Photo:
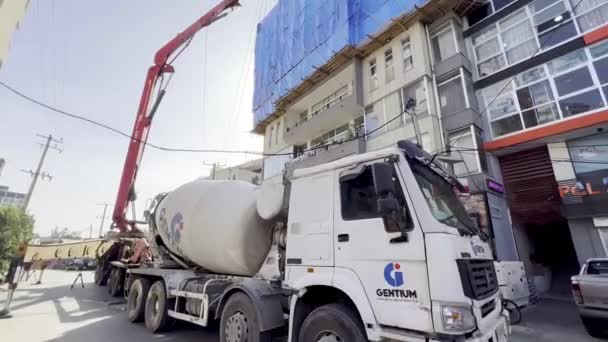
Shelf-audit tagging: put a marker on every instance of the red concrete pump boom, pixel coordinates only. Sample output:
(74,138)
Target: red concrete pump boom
(145,114)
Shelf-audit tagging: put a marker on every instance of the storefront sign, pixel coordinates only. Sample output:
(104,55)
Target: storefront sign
(495,187)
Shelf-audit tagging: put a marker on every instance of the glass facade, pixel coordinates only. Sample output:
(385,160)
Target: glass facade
(570,85)
(539,26)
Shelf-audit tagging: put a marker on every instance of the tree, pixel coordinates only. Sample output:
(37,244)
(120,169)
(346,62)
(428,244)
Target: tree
(15,227)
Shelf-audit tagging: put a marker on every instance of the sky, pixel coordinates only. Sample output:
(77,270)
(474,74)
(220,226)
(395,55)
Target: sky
(90,58)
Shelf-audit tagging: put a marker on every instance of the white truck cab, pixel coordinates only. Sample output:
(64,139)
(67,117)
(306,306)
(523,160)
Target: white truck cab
(372,247)
(387,230)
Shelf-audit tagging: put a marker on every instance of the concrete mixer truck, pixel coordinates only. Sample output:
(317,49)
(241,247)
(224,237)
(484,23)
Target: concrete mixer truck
(375,247)
(371,247)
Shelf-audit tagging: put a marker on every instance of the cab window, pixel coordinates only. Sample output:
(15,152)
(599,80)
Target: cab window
(359,200)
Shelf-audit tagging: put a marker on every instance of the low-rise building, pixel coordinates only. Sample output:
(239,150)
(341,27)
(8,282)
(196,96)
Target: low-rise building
(11,199)
(250,171)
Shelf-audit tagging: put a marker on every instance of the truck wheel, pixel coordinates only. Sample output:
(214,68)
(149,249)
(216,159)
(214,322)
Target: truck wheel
(116,282)
(331,323)
(594,327)
(136,302)
(157,306)
(239,322)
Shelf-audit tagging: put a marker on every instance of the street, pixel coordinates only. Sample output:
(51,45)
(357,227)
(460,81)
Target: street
(54,312)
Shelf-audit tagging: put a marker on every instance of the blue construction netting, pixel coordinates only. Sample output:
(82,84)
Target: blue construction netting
(298,35)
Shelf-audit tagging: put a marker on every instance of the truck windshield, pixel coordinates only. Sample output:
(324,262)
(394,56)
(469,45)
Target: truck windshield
(442,200)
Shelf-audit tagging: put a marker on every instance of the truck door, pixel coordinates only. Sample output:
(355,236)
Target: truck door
(390,266)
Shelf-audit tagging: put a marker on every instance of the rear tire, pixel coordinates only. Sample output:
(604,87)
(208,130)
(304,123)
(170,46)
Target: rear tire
(239,321)
(332,322)
(136,301)
(116,282)
(157,306)
(594,327)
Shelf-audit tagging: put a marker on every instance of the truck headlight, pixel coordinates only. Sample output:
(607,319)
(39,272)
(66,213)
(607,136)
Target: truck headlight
(457,318)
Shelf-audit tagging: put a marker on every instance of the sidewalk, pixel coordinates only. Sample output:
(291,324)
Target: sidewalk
(551,320)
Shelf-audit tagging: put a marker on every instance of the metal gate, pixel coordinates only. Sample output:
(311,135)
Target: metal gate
(531,187)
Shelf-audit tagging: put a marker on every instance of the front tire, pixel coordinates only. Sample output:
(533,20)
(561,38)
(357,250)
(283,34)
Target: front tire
(332,323)
(136,301)
(239,322)
(157,308)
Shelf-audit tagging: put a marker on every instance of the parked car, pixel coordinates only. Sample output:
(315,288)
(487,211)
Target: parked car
(590,291)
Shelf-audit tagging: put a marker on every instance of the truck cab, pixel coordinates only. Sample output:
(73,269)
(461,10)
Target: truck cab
(385,233)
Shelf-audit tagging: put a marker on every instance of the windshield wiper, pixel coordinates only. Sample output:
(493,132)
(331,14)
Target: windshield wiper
(471,230)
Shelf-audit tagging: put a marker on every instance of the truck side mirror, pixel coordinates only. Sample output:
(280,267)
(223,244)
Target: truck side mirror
(396,216)
(383,178)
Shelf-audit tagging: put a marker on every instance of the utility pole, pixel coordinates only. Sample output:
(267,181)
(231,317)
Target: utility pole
(35,175)
(90,231)
(103,217)
(2,163)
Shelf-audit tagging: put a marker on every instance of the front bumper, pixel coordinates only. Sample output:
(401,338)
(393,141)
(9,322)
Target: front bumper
(499,332)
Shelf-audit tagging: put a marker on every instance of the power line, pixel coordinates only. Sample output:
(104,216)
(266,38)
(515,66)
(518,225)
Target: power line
(466,150)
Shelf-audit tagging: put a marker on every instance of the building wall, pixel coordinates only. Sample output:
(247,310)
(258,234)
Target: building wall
(11,13)
(534,65)
(11,199)
(586,239)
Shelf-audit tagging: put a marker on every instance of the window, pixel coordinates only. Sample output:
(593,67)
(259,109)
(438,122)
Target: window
(575,80)
(303,116)
(388,65)
(333,136)
(597,267)
(500,4)
(406,52)
(373,74)
(270,136)
(590,13)
(331,100)
(359,126)
(358,196)
(581,103)
(371,119)
(589,151)
(417,92)
(451,96)
(299,150)
(443,43)
(276,141)
(568,85)
(462,143)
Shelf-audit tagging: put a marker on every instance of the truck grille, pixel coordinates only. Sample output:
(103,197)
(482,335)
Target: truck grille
(478,278)
(487,308)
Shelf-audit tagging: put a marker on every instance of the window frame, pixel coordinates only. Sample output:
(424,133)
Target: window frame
(389,65)
(474,135)
(400,195)
(448,26)
(407,56)
(373,74)
(550,76)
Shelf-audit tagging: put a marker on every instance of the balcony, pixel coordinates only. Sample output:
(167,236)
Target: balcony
(326,155)
(335,113)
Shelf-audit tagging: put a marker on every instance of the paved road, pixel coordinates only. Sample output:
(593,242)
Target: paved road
(53,312)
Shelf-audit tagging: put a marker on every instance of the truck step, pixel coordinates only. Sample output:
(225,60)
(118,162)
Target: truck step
(187,318)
